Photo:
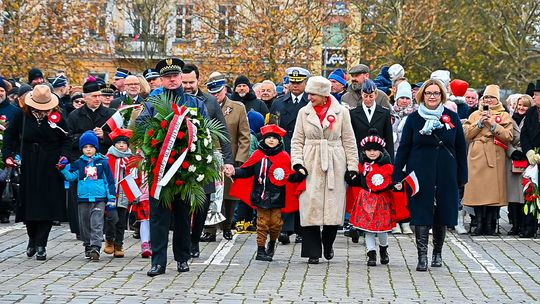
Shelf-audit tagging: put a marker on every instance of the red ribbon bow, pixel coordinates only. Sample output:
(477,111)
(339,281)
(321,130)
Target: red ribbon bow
(447,122)
(54,117)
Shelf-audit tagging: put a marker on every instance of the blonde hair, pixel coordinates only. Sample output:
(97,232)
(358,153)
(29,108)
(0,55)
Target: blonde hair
(145,87)
(527,100)
(427,83)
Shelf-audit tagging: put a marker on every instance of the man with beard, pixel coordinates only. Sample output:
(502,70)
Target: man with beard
(353,97)
(245,94)
(283,113)
(268,92)
(35,77)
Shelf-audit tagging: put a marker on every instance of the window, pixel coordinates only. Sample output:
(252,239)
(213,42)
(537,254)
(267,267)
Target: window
(227,14)
(184,18)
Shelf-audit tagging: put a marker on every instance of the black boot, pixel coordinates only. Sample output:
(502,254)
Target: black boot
(422,237)
(270,248)
(480,215)
(383,252)
(372,258)
(31,249)
(261,255)
(439,233)
(528,227)
(41,253)
(491,220)
(515,216)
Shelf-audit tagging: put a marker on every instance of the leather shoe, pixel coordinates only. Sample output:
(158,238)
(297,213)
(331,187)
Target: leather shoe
(155,270)
(313,261)
(195,253)
(30,251)
(284,238)
(4,220)
(182,266)
(227,234)
(298,239)
(41,253)
(329,254)
(208,237)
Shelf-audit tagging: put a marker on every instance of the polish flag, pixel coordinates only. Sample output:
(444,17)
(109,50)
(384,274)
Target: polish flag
(116,121)
(412,181)
(130,188)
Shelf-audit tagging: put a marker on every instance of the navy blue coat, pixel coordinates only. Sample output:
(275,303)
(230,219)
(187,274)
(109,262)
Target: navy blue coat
(287,111)
(440,169)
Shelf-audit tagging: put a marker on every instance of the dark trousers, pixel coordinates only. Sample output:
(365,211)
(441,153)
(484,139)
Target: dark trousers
(5,205)
(73,209)
(38,232)
(115,225)
(227,209)
(291,223)
(160,220)
(314,240)
(245,213)
(199,217)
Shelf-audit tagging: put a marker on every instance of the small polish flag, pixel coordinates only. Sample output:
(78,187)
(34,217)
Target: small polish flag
(130,188)
(412,181)
(116,121)
(136,37)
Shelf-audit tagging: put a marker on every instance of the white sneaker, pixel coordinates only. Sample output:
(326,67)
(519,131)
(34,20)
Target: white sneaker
(460,228)
(396,230)
(406,228)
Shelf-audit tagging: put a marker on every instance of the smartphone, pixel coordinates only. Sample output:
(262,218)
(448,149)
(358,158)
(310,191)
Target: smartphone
(485,108)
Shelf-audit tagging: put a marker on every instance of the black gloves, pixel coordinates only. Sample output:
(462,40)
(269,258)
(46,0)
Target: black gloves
(299,167)
(296,177)
(352,178)
(518,155)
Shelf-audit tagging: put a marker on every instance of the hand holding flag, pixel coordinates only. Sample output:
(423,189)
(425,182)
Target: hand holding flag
(412,181)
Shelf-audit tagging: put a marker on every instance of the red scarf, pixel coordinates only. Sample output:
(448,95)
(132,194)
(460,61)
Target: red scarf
(322,110)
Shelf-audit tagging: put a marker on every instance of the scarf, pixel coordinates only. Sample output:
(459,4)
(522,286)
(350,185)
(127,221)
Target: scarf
(404,111)
(432,118)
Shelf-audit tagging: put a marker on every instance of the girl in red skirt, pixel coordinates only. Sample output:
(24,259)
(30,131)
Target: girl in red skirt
(372,210)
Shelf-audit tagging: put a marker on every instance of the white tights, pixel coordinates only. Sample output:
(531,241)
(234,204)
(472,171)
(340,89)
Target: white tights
(370,240)
(145,231)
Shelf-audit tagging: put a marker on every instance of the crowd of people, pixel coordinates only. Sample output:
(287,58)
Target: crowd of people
(306,157)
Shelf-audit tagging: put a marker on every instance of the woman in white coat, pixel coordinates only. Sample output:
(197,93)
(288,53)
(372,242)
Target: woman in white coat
(323,149)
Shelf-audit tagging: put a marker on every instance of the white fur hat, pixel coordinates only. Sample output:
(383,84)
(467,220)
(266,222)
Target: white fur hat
(396,71)
(442,75)
(318,85)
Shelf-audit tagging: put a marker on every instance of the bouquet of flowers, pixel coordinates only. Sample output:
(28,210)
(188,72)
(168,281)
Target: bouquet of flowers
(178,151)
(530,191)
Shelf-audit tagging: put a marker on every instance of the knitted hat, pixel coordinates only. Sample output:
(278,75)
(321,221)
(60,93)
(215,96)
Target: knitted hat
(441,75)
(459,87)
(242,80)
(273,130)
(369,86)
(339,76)
(373,141)
(404,90)
(255,120)
(34,73)
(318,85)
(120,134)
(492,90)
(88,138)
(4,84)
(396,71)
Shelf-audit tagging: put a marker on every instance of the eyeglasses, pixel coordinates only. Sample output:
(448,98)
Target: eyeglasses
(434,94)
(132,84)
(80,101)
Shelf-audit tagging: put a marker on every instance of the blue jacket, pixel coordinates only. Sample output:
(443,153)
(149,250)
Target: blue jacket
(95,181)
(383,81)
(8,110)
(189,101)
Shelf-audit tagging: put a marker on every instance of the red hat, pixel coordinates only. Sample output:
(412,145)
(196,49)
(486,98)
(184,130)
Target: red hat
(120,135)
(273,129)
(458,87)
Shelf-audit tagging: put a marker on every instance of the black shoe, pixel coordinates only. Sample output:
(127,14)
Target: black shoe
(439,234)
(136,234)
(313,261)
(355,235)
(383,252)
(270,248)
(195,253)
(4,220)
(87,250)
(298,239)
(436,260)
(372,258)
(208,237)
(94,254)
(30,251)
(422,263)
(56,223)
(41,253)
(182,266)
(227,234)
(514,230)
(329,254)
(261,255)
(284,238)
(155,270)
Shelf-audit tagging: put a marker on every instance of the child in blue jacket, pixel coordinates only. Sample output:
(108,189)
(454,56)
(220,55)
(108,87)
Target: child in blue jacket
(95,189)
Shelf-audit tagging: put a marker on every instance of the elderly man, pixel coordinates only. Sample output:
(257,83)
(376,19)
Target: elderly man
(268,92)
(245,94)
(353,97)
(471,99)
(133,91)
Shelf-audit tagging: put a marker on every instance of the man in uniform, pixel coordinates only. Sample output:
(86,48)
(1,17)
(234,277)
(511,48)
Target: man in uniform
(353,97)
(152,76)
(283,113)
(118,82)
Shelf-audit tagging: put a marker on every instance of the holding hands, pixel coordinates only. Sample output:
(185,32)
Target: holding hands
(228,169)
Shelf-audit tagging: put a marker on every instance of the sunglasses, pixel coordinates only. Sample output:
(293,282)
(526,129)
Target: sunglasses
(80,101)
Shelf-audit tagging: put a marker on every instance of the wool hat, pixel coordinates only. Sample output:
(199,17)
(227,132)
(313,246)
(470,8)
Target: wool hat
(359,69)
(404,90)
(339,76)
(459,87)
(396,71)
(242,80)
(373,141)
(34,73)
(273,130)
(89,138)
(91,85)
(4,84)
(369,86)
(255,120)
(441,75)
(120,134)
(318,85)
(41,98)
(492,90)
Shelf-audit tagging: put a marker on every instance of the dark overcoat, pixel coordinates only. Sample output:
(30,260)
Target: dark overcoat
(285,112)
(42,193)
(381,121)
(440,165)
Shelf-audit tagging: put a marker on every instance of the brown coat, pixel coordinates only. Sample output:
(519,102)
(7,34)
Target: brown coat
(487,161)
(327,153)
(237,123)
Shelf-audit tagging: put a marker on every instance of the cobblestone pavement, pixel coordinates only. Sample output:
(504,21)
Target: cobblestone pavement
(476,269)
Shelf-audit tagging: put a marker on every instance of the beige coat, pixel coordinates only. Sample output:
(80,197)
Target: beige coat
(238,126)
(327,153)
(486,161)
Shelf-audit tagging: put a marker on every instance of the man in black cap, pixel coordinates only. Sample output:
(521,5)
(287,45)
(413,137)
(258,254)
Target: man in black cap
(61,89)
(153,78)
(92,116)
(107,94)
(353,97)
(118,81)
(35,77)
(244,93)
(170,70)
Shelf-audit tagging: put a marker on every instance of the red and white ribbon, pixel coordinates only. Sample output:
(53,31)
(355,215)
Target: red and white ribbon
(447,122)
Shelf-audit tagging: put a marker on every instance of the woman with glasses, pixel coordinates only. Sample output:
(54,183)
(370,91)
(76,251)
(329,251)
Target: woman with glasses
(432,146)
(489,131)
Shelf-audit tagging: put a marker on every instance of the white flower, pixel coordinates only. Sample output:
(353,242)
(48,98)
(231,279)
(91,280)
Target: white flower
(193,147)
(279,174)
(377,179)
(200,177)
(206,142)
(191,168)
(196,122)
(198,157)
(209,159)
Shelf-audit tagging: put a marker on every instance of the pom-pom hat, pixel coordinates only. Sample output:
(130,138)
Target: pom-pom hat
(373,141)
